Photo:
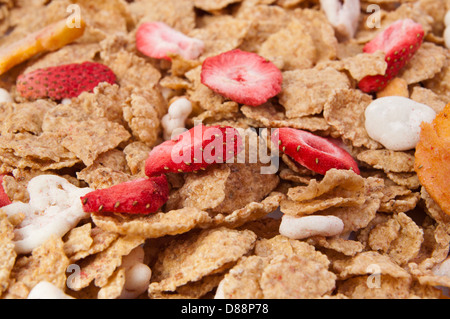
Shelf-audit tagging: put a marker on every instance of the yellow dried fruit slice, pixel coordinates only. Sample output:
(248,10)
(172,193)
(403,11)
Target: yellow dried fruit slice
(432,158)
(50,38)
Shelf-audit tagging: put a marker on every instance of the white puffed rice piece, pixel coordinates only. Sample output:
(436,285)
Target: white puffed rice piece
(344,17)
(173,122)
(307,226)
(137,274)
(394,121)
(46,290)
(5,96)
(54,208)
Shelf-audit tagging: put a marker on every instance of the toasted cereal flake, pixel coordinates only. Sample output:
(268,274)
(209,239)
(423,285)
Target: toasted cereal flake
(100,241)
(72,53)
(7,252)
(193,256)
(407,245)
(435,247)
(78,239)
(388,160)
(361,265)
(265,20)
(43,152)
(107,100)
(341,245)
(101,267)
(206,189)
(338,187)
(221,189)
(114,287)
(359,216)
(156,225)
(250,212)
(320,30)
(426,62)
(366,287)
(296,277)
(46,263)
(440,83)
(293,45)
(142,117)
(220,33)
(433,209)
(265,227)
(281,245)
(108,169)
(136,153)
(192,290)
(177,14)
(243,280)
(344,110)
(427,97)
(360,65)
(130,69)
(213,5)
(396,197)
(109,16)
(409,180)
(24,117)
(90,138)
(305,92)
(267,115)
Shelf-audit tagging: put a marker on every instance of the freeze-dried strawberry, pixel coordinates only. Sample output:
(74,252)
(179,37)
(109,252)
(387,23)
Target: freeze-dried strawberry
(63,81)
(140,196)
(243,77)
(399,42)
(4,199)
(313,152)
(193,150)
(157,39)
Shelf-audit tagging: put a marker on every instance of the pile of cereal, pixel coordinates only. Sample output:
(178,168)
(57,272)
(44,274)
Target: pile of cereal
(257,149)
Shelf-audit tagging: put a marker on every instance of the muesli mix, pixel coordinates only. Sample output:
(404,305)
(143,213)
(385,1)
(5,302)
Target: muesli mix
(250,149)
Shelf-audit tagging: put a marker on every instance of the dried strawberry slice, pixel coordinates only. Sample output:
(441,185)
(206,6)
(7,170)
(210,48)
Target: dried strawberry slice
(193,150)
(400,41)
(140,196)
(4,199)
(241,76)
(314,152)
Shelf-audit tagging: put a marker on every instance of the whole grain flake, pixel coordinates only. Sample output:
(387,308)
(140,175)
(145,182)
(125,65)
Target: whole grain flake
(299,202)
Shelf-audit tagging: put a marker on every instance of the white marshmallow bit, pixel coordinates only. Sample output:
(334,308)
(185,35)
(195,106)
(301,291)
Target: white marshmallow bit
(46,290)
(137,274)
(307,226)
(344,17)
(55,208)
(5,96)
(173,122)
(394,121)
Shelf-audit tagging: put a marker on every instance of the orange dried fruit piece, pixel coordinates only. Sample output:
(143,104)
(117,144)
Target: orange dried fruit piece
(50,38)
(432,158)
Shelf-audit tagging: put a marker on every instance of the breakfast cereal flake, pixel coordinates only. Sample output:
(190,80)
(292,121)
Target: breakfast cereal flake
(305,92)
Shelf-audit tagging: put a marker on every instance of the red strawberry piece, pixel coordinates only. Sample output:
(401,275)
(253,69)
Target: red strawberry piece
(4,199)
(399,42)
(243,77)
(140,196)
(313,152)
(157,40)
(63,81)
(193,150)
